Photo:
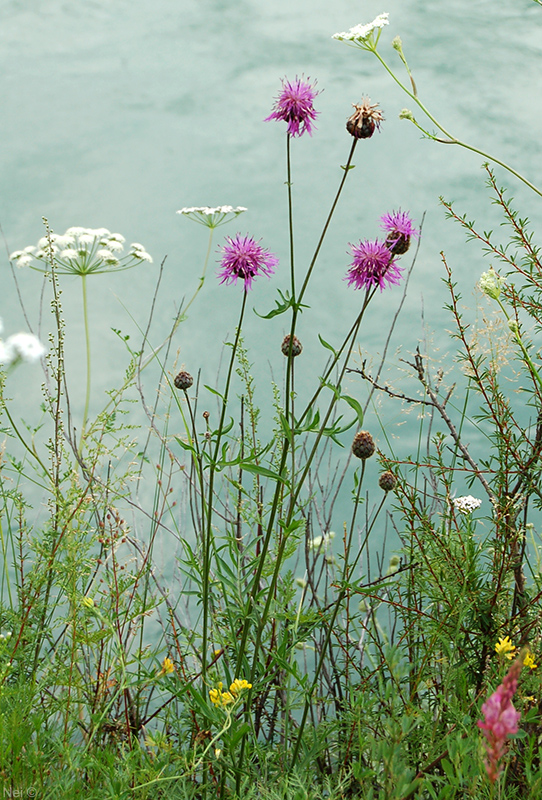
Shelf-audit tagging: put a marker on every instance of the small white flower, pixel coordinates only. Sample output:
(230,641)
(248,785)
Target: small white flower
(86,238)
(137,246)
(75,231)
(361,32)
(23,346)
(142,255)
(113,245)
(70,253)
(24,260)
(491,283)
(107,256)
(321,542)
(467,504)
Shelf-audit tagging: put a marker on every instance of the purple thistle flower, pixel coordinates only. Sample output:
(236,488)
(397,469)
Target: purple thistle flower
(400,229)
(294,106)
(373,265)
(500,720)
(242,257)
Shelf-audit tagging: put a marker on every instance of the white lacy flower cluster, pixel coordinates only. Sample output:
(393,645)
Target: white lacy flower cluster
(359,33)
(491,283)
(467,504)
(82,251)
(211,217)
(20,347)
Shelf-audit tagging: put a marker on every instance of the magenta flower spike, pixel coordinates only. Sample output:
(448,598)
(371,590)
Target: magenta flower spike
(400,229)
(500,720)
(294,106)
(244,258)
(373,265)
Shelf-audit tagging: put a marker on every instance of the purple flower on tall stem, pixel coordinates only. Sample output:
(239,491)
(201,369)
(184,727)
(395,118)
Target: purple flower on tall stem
(294,106)
(373,265)
(242,257)
(500,720)
(400,230)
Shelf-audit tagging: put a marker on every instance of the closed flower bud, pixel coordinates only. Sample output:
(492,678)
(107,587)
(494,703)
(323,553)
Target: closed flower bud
(364,120)
(387,481)
(363,445)
(297,347)
(183,380)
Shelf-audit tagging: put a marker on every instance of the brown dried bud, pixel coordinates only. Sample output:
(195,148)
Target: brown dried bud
(363,445)
(297,347)
(364,120)
(387,481)
(183,380)
(206,415)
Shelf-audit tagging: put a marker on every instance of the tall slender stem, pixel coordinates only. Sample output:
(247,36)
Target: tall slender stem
(89,366)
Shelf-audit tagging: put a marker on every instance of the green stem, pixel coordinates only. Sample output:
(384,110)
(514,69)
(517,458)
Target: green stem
(89,367)
(451,139)
(208,532)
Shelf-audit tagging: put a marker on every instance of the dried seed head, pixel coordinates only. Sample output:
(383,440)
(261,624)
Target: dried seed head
(183,380)
(297,347)
(363,445)
(387,481)
(206,415)
(364,120)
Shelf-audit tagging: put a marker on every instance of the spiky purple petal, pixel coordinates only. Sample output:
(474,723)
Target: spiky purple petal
(294,106)
(372,265)
(244,258)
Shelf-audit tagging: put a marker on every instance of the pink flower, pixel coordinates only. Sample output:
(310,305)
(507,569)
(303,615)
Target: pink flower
(294,106)
(400,229)
(242,257)
(500,720)
(373,265)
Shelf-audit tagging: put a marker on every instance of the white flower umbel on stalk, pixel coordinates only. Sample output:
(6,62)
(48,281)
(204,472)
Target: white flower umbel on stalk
(491,283)
(467,504)
(211,217)
(81,251)
(20,347)
(364,35)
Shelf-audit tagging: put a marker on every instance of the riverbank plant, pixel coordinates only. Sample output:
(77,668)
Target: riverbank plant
(338,616)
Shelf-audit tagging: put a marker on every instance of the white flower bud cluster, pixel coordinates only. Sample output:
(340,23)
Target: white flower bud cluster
(359,33)
(81,251)
(322,542)
(467,504)
(491,283)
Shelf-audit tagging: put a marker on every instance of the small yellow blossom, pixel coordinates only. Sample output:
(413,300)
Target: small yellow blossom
(88,602)
(167,667)
(220,698)
(528,661)
(504,647)
(238,685)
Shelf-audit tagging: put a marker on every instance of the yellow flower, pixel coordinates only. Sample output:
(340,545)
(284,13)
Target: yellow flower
(528,661)
(504,647)
(238,685)
(167,667)
(88,602)
(220,698)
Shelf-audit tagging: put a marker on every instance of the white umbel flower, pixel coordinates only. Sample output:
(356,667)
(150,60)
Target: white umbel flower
(361,32)
(211,217)
(21,347)
(467,504)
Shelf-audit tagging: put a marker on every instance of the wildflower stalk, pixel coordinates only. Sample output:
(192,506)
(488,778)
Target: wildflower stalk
(207,528)
(89,367)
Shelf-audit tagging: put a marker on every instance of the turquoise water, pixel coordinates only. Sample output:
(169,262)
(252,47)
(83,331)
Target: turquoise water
(117,114)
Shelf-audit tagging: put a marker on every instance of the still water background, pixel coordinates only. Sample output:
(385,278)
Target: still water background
(116,114)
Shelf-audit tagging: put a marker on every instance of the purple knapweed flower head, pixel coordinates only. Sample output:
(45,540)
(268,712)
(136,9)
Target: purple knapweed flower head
(294,106)
(400,230)
(244,258)
(500,720)
(373,265)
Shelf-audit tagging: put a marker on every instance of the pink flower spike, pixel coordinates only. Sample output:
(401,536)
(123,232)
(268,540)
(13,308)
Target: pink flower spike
(500,720)
(373,265)
(242,257)
(294,106)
